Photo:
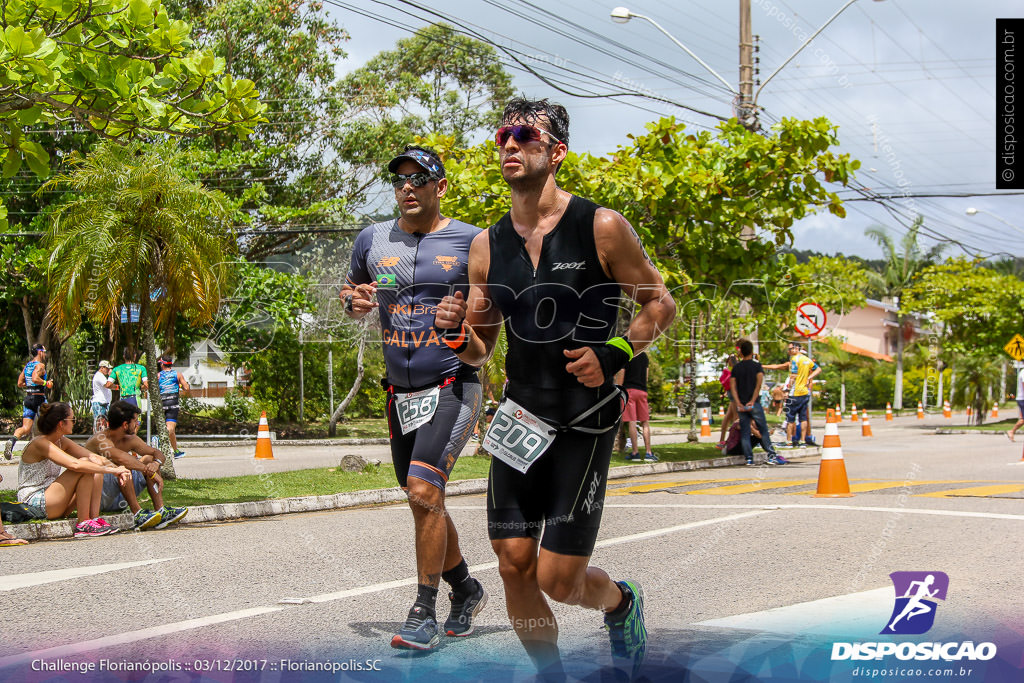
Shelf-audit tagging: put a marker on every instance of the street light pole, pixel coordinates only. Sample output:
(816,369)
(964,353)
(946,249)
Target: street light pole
(971,211)
(746,105)
(621,15)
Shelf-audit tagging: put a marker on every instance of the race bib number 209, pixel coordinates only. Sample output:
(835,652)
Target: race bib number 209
(517,437)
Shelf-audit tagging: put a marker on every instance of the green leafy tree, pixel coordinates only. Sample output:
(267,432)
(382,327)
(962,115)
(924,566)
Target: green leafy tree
(902,264)
(286,175)
(136,232)
(436,81)
(110,68)
(979,309)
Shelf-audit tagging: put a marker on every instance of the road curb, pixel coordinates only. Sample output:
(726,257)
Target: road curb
(953,430)
(246,441)
(221,512)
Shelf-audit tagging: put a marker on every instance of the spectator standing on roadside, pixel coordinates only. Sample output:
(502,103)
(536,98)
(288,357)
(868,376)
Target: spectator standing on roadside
(129,377)
(634,380)
(101,396)
(745,389)
(1020,402)
(730,411)
(802,371)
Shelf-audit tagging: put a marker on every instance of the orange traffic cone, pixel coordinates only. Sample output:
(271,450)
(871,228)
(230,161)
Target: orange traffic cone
(865,424)
(947,410)
(920,411)
(721,413)
(263,450)
(853,414)
(839,413)
(705,423)
(832,481)
(888,412)
(995,411)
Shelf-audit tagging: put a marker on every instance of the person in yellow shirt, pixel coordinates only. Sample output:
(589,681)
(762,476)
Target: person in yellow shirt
(802,371)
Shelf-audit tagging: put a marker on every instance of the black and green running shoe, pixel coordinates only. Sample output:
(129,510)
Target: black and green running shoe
(170,515)
(628,632)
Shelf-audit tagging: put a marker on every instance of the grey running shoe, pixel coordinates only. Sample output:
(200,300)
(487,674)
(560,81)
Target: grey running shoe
(9,448)
(418,633)
(460,621)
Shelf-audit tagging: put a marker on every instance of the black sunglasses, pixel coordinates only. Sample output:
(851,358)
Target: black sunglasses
(417,179)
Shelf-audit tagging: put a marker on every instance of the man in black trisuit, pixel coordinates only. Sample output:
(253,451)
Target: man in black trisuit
(552,269)
(433,398)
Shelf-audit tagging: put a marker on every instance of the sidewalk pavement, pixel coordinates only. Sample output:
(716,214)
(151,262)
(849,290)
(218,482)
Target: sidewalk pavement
(64,528)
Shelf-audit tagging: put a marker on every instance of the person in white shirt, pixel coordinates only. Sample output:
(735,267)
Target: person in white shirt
(1020,402)
(101,396)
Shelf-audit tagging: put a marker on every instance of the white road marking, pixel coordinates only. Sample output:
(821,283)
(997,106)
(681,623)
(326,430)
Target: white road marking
(823,506)
(133,636)
(680,527)
(177,627)
(855,614)
(17,581)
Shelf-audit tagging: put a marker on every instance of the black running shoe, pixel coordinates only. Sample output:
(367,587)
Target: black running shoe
(460,621)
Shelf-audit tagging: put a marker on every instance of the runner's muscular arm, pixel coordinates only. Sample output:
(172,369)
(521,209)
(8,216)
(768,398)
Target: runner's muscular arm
(482,317)
(626,261)
(38,374)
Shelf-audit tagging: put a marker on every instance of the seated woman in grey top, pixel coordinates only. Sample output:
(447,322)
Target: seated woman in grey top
(51,492)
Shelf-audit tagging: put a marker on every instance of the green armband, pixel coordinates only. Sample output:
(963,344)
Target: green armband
(622,344)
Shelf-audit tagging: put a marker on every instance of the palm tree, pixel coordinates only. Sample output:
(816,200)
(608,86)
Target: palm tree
(902,264)
(135,231)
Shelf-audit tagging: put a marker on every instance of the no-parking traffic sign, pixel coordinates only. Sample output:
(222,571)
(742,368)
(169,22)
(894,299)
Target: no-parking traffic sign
(810,319)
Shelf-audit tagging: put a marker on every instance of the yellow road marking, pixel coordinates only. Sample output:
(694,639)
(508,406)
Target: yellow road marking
(975,491)
(658,486)
(879,485)
(748,488)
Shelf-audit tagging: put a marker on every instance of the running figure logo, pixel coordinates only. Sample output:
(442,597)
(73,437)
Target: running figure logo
(914,612)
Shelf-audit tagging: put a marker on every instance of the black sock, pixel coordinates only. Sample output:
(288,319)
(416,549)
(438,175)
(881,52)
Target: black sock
(459,579)
(623,606)
(426,597)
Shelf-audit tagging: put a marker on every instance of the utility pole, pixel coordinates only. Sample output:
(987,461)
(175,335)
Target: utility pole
(746,112)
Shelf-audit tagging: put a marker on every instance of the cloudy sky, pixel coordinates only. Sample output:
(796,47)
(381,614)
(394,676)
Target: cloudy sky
(910,83)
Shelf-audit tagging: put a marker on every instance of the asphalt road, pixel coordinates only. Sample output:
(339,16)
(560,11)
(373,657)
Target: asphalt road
(743,569)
